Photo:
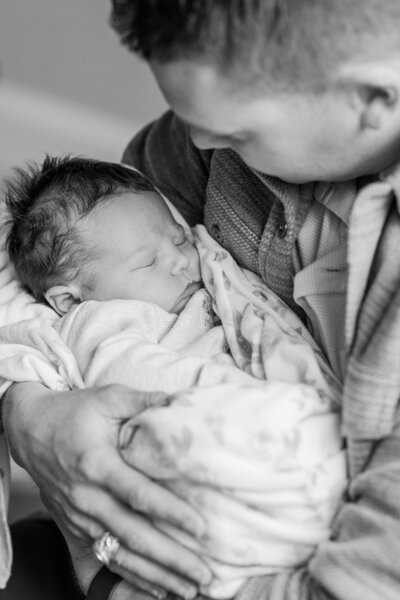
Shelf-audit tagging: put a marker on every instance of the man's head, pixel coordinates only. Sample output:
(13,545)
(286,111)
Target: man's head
(301,90)
(81,229)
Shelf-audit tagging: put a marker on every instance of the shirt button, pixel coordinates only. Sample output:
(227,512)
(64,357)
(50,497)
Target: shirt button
(216,231)
(282,230)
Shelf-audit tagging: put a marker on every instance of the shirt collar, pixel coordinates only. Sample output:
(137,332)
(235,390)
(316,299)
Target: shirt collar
(337,197)
(392,176)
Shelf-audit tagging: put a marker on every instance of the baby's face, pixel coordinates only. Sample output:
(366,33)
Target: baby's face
(142,253)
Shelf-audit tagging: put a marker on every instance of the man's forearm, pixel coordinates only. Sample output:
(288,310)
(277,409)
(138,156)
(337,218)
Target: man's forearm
(22,405)
(1,413)
(5,387)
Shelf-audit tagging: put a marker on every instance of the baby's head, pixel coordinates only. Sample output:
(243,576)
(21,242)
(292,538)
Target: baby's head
(83,229)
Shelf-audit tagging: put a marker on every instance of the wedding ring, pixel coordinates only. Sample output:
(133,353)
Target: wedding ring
(105,548)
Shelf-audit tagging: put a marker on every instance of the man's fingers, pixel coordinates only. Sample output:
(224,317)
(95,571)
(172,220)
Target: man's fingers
(143,539)
(126,403)
(140,536)
(127,591)
(137,585)
(135,568)
(79,524)
(143,495)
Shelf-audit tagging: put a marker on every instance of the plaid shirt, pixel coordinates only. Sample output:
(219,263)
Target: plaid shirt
(259,221)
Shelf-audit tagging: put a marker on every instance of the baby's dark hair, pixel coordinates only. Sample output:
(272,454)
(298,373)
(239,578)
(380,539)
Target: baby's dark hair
(45,203)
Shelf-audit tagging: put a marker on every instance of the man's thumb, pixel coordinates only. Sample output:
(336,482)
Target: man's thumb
(127,402)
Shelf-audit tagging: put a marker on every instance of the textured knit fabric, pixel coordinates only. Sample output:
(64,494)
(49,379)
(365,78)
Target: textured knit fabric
(143,346)
(361,559)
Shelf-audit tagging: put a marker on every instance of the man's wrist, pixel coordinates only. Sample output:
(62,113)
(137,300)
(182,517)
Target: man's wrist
(1,414)
(19,407)
(2,407)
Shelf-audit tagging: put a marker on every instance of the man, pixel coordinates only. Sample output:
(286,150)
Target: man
(299,92)
(302,92)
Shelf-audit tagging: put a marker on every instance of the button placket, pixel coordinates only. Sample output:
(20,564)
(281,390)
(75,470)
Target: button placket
(282,229)
(216,231)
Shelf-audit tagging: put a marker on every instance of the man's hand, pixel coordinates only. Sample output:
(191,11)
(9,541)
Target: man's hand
(86,567)
(68,442)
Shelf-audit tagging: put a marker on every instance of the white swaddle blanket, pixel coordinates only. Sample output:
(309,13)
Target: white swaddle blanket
(254,444)
(262,462)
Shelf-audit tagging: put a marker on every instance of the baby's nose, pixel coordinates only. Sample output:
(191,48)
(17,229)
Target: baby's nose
(180,261)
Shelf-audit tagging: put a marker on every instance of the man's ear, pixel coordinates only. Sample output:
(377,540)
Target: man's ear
(63,297)
(374,91)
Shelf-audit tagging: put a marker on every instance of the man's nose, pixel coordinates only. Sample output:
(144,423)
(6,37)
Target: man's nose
(179,261)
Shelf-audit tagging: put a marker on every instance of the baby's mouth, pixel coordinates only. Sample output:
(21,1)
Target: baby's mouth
(192,288)
(189,291)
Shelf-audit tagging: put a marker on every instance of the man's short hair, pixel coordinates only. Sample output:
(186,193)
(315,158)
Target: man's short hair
(285,44)
(45,203)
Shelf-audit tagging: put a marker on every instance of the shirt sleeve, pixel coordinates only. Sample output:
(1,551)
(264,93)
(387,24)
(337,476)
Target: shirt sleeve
(164,152)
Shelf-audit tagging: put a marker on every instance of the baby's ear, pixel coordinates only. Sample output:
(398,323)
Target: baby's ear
(63,297)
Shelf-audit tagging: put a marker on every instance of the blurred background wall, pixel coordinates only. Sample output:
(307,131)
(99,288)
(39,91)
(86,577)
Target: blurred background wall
(66,85)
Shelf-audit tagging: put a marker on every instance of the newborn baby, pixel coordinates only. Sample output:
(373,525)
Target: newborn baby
(250,436)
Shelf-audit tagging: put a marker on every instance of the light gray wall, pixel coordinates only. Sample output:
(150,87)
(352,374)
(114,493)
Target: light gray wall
(67,48)
(59,51)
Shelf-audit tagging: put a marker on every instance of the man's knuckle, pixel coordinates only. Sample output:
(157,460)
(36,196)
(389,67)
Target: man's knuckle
(74,520)
(78,499)
(138,498)
(89,464)
(111,389)
(74,499)
(93,530)
(125,561)
(136,543)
